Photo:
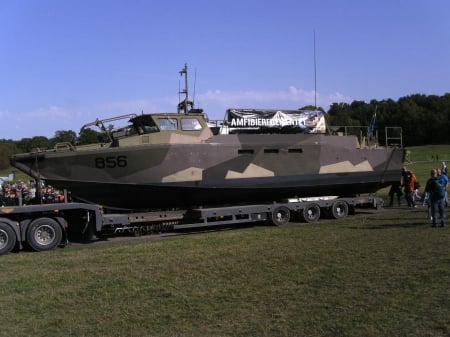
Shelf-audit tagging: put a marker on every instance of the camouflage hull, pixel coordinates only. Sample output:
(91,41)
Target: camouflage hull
(224,169)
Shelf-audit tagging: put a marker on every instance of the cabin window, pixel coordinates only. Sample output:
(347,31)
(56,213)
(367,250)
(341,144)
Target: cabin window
(295,150)
(190,124)
(147,129)
(271,151)
(246,151)
(168,124)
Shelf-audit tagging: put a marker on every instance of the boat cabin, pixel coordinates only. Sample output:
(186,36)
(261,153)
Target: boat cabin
(159,128)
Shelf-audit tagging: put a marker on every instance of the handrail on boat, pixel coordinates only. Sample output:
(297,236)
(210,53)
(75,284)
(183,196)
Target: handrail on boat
(63,146)
(100,122)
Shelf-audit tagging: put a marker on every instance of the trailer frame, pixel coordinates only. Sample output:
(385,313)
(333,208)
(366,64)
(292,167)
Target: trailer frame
(47,226)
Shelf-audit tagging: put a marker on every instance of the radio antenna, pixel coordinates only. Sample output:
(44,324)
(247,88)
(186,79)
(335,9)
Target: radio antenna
(315,73)
(183,105)
(179,94)
(195,83)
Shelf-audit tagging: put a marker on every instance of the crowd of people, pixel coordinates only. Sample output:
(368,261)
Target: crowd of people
(434,195)
(22,193)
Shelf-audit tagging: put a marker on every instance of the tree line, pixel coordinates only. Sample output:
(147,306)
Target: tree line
(9,147)
(424,119)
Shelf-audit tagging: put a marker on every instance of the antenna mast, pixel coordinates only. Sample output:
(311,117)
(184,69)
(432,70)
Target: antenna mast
(184,104)
(195,83)
(315,72)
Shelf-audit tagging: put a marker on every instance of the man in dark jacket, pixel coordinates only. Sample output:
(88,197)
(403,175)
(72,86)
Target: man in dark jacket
(436,194)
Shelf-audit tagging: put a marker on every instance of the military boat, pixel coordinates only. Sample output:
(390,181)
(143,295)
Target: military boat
(181,160)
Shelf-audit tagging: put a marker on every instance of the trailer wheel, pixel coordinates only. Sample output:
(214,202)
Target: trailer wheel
(311,213)
(281,216)
(44,234)
(339,209)
(7,238)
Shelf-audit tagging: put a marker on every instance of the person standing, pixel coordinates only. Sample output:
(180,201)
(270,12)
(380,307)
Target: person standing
(444,182)
(409,184)
(436,194)
(396,189)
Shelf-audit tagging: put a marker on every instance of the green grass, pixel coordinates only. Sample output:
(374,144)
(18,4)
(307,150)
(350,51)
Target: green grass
(385,274)
(18,174)
(423,159)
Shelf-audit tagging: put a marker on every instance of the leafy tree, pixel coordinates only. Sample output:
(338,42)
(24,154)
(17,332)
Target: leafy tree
(89,136)
(312,108)
(341,114)
(7,149)
(31,144)
(63,136)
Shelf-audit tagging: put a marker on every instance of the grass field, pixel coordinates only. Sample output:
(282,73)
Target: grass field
(381,274)
(423,158)
(384,273)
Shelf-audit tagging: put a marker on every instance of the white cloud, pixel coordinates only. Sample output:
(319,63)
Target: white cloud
(291,95)
(122,107)
(50,112)
(337,97)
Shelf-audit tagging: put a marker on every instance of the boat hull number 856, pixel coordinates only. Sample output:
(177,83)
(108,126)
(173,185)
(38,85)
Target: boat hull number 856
(111,162)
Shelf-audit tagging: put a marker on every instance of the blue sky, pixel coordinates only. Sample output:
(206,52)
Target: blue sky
(64,63)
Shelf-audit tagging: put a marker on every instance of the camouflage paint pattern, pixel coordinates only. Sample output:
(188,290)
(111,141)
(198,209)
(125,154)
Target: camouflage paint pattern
(188,168)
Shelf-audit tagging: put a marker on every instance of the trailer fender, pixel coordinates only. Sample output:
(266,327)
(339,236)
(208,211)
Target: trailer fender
(9,236)
(64,225)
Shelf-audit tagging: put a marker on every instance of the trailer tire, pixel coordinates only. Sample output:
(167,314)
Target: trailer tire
(339,209)
(7,238)
(280,216)
(44,234)
(311,213)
